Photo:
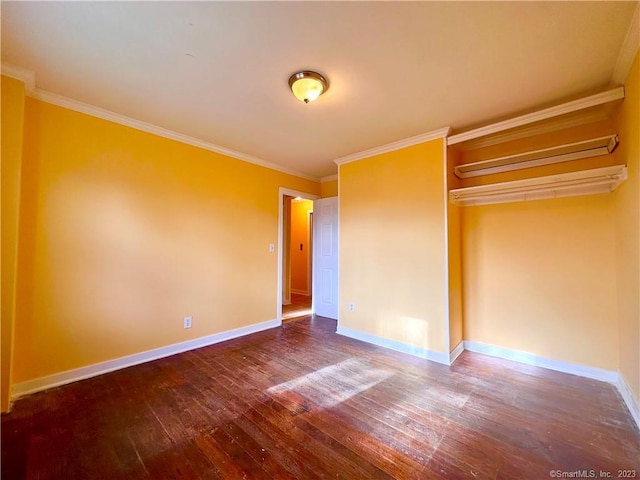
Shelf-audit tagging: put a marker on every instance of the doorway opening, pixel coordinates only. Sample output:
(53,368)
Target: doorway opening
(295,254)
(298,258)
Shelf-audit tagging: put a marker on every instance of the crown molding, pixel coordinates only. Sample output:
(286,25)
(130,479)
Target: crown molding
(628,51)
(390,147)
(26,76)
(29,79)
(329,178)
(108,115)
(545,114)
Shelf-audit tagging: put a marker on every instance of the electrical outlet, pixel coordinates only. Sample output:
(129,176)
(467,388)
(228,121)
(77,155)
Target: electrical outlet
(352,307)
(187,322)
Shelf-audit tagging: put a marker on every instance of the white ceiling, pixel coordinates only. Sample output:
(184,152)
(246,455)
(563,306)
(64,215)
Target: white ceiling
(218,71)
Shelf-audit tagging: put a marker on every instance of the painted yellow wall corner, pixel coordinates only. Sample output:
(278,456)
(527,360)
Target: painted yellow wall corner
(392,246)
(13,97)
(329,189)
(627,225)
(454,256)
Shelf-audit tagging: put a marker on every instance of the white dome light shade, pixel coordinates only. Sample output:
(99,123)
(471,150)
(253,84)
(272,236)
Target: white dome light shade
(308,86)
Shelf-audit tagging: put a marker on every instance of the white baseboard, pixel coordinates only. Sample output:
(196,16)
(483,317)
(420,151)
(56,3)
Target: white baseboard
(629,399)
(69,376)
(395,345)
(532,359)
(455,353)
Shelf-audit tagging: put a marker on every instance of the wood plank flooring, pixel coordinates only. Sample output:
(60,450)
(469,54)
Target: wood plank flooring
(300,402)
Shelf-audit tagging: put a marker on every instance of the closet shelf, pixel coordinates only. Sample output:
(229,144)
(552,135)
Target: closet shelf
(585,182)
(547,156)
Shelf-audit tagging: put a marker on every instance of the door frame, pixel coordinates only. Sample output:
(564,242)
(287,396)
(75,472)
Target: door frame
(310,243)
(285,192)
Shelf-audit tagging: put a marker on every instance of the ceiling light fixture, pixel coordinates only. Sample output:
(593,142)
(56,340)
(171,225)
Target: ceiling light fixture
(307,85)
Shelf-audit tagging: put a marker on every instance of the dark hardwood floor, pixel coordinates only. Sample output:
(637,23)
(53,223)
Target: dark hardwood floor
(300,402)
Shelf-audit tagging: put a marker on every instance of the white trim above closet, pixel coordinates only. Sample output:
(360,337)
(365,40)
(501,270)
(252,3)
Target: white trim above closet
(545,114)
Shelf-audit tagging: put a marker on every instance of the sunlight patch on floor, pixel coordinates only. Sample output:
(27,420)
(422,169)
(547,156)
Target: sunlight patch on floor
(334,384)
(297,313)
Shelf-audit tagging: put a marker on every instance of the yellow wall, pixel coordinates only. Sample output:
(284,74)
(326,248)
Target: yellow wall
(300,259)
(539,277)
(329,189)
(124,233)
(392,246)
(454,257)
(627,219)
(12,93)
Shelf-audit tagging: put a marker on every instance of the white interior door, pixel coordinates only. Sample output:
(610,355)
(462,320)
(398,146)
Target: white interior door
(325,257)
